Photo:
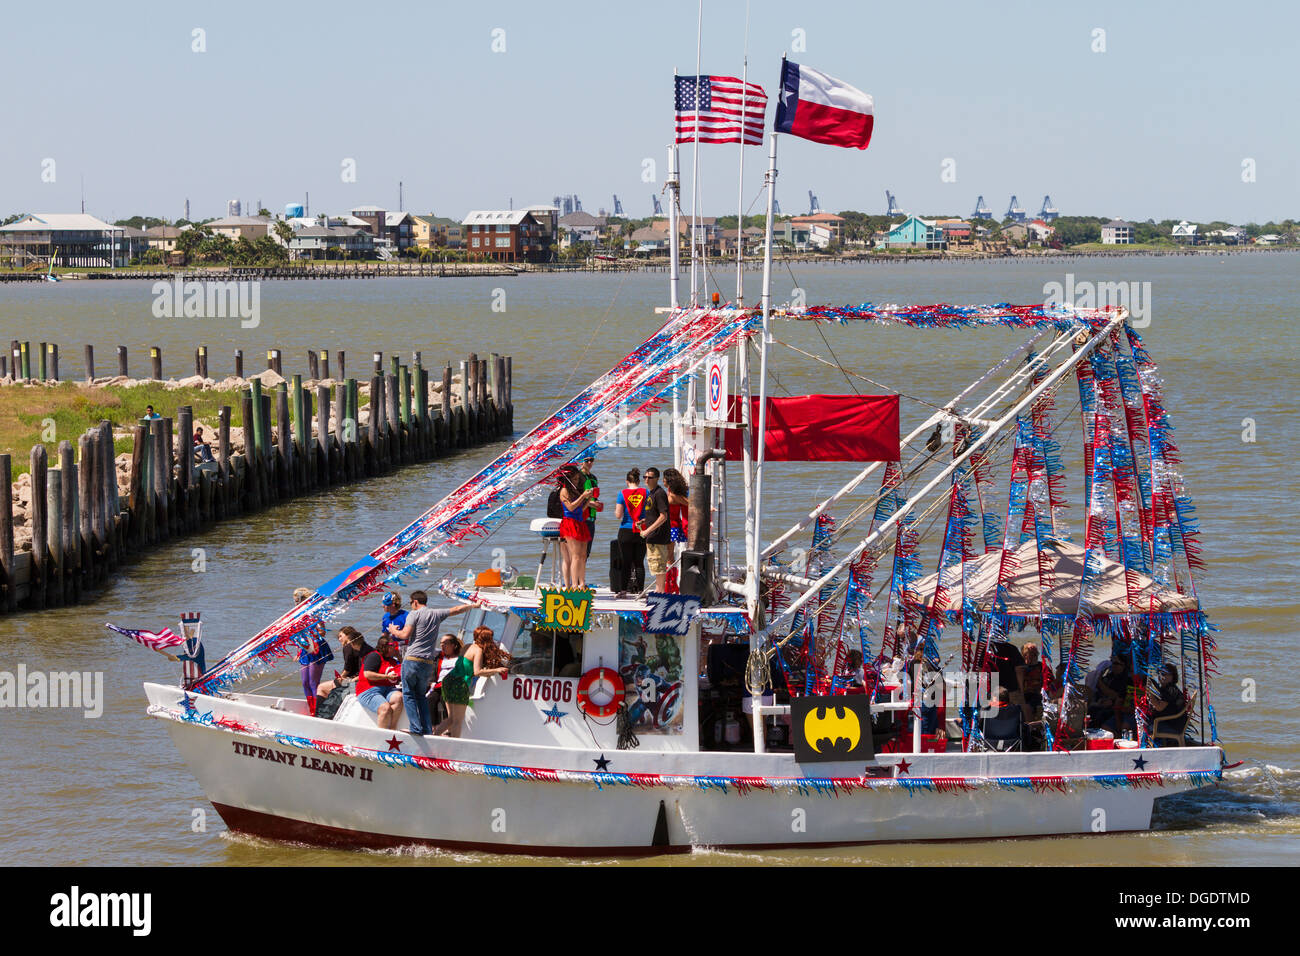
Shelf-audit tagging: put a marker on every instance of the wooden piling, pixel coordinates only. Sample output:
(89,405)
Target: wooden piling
(38,517)
(121,360)
(70,556)
(376,418)
(392,422)
(155,361)
(303,473)
(41,371)
(202,369)
(7,570)
(284,452)
(324,363)
(445,408)
(343,369)
(355,462)
(112,520)
(250,420)
(90,364)
(185,437)
(136,490)
(54,361)
(313,365)
(161,474)
(223,498)
(320,455)
(273,360)
(86,507)
(54,537)
(239,363)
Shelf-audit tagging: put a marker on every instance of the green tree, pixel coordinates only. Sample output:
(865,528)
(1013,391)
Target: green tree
(190,241)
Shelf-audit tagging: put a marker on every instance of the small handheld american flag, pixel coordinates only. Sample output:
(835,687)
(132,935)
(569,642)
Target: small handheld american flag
(156,640)
(728,109)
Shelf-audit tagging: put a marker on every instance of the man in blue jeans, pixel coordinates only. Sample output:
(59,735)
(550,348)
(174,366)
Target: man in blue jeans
(420,662)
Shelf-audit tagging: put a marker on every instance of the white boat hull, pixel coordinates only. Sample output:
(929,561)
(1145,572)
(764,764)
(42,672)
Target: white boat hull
(269,773)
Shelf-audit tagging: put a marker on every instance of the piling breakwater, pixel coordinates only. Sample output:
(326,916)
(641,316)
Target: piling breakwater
(82,513)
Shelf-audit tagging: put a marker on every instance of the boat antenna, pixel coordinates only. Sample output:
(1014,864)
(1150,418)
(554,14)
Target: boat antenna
(695,158)
(740,179)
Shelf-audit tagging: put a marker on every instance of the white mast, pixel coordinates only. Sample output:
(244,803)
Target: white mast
(695,162)
(674,200)
(740,180)
(752,558)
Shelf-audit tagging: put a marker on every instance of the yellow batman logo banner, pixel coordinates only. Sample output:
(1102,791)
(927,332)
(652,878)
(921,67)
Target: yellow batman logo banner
(832,728)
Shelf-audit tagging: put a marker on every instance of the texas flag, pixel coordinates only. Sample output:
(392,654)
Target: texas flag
(821,108)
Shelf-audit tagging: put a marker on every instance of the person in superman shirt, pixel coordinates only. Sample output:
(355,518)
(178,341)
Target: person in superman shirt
(629,511)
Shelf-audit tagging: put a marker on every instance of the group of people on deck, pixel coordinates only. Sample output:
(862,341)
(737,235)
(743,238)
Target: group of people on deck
(411,668)
(1026,683)
(651,521)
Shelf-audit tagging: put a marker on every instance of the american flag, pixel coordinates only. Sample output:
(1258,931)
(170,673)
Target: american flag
(728,108)
(154,639)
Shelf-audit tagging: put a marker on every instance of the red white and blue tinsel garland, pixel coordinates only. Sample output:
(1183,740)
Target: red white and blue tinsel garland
(808,786)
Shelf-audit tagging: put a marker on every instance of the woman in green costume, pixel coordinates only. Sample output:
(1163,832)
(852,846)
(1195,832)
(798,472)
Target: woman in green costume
(456,673)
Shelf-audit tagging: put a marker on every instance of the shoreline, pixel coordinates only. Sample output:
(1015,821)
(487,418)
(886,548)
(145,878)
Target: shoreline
(394,270)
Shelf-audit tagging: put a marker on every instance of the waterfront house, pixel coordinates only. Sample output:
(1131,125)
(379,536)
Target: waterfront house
(652,239)
(752,238)
(1040,232)
(791,234)
(1233,236)
(1185,232)
(251,228)
(1268,239)
(915,233)
(163,238)
(548,218)
(581,227)
(329,242)
(71,239)
(135,241)
(954,230)
(506,235)
(1117,232)
(399,229)
(823,228)
(437,232)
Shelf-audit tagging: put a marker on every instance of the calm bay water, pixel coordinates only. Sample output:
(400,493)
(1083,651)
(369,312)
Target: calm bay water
(112,790)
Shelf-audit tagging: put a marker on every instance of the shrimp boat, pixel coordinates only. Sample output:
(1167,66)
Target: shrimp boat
(720,715)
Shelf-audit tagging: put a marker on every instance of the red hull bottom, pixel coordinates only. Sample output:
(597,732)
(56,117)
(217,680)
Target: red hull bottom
(271,827)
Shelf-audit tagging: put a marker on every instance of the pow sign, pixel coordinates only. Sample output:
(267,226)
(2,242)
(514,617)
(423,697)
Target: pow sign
(716,389)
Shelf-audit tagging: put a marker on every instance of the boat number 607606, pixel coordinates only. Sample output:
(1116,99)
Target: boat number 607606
(528,688)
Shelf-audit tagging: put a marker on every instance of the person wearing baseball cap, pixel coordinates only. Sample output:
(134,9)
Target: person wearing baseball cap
(394,613)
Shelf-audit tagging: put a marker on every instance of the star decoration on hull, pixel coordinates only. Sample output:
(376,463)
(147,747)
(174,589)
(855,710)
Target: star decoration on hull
(602,764)
(903,767)
(554,714)
(394,744)
(1139,763)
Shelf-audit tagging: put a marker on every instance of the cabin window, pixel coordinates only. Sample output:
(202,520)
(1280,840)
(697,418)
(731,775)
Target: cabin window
(545,653)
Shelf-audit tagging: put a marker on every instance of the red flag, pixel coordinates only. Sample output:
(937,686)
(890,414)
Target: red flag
(824,428)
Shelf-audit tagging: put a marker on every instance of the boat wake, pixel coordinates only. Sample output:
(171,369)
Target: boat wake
(1248,796)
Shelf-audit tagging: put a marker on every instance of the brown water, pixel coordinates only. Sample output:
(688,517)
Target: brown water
(112,790)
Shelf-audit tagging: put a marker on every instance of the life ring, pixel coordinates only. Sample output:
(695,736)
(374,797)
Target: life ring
(600,691)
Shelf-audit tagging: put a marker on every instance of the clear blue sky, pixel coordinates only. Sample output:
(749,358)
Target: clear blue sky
(1157,126)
